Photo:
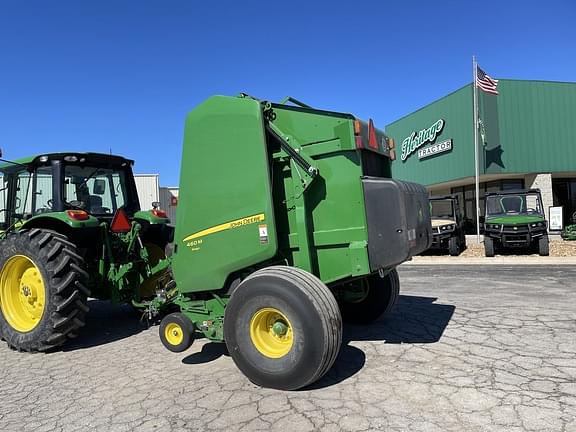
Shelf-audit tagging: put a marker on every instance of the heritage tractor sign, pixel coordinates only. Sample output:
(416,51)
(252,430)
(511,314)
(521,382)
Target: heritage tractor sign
(418,139)
(434,149)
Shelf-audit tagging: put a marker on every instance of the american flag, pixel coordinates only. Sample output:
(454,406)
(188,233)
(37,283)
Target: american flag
(485,83)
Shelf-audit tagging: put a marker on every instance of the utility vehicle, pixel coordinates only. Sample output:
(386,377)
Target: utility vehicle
(515,219)
(447,224)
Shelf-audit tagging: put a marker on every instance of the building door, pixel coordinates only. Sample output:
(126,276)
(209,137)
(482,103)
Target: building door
(564,194)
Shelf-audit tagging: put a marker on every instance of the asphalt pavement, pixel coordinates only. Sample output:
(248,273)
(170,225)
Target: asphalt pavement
(467,348)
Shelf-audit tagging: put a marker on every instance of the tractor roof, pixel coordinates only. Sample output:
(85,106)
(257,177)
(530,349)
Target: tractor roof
(73,157)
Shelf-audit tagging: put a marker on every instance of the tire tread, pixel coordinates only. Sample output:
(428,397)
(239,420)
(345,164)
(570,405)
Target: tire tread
(64,281)
(324,302)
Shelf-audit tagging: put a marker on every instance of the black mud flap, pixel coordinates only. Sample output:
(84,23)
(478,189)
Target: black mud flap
(398,217)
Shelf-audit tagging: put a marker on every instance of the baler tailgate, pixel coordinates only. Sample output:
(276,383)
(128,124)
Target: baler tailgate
(398,219)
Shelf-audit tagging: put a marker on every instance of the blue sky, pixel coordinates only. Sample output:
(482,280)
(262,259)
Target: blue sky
(121,75)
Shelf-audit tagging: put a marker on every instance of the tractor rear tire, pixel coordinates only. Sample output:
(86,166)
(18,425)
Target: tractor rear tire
(543,246)
(43,296)
(381,296)
(488,247)
(283,328)
(454,246)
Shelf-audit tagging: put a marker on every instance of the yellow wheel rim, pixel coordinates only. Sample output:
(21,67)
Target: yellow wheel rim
(271,333)
(174,334)
(22,293)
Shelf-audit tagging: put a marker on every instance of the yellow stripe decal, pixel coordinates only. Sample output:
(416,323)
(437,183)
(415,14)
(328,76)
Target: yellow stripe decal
(226,226)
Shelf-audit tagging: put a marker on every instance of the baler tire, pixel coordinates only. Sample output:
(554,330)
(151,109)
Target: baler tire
(543,246)
(308,314)
(488,247)
(382,295)
(176,332)
(454,246)
(58,288)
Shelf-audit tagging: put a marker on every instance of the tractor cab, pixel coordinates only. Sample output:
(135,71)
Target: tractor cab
(80,185)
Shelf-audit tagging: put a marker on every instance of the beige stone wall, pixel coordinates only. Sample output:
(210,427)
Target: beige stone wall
(544,183)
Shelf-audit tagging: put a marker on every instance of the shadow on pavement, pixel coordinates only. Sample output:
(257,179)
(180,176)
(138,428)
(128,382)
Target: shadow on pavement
(413,320)
(210,351)
(106,323)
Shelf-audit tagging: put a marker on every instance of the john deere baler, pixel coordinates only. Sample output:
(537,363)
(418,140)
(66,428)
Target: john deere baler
(288,222)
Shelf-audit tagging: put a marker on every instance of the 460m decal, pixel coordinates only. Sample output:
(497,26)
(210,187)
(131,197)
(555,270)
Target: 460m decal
(226,226)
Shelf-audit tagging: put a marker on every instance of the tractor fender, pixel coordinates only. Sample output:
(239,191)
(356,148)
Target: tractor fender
(58,222)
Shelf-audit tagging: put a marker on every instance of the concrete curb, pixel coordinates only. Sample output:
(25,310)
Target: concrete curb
(498,260)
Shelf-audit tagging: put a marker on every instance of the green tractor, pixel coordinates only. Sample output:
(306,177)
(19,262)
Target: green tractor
(515,219)
(288,224)
(72,228)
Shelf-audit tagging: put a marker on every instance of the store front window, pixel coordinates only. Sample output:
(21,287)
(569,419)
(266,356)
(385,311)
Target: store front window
(564,193)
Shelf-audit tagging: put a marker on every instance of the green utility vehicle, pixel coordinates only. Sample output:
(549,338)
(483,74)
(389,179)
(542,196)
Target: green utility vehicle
(72,228)
(447,224)
(288,222)
(515,219)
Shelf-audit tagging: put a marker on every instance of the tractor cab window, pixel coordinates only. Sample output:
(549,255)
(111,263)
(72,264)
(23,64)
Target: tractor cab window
(32,193)
(99,191)
(23,196)
(43,191)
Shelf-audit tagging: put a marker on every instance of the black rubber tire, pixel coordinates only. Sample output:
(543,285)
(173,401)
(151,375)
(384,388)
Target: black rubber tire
(543,246)
(313,313)
(454,246)
(187,327)
(382,295)
(64,275)
(488,247)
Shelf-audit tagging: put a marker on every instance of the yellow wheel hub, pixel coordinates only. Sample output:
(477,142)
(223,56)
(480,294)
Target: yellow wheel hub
(174,334)
(22,293)
(271,333)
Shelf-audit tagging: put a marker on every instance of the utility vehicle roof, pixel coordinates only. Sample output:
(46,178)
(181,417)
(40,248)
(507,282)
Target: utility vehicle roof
(442,197)
(90,159)
(513,192)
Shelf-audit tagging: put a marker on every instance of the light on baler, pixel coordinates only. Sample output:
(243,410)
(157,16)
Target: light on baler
(357,127)
(358,134)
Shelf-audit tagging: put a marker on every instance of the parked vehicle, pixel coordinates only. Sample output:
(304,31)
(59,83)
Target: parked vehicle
(447,224)
(515,219)
(72,229)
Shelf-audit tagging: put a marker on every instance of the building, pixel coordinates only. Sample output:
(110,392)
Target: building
(148,187)
(527,139)
(169,202)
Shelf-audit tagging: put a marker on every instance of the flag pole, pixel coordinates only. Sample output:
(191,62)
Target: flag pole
(476,155)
